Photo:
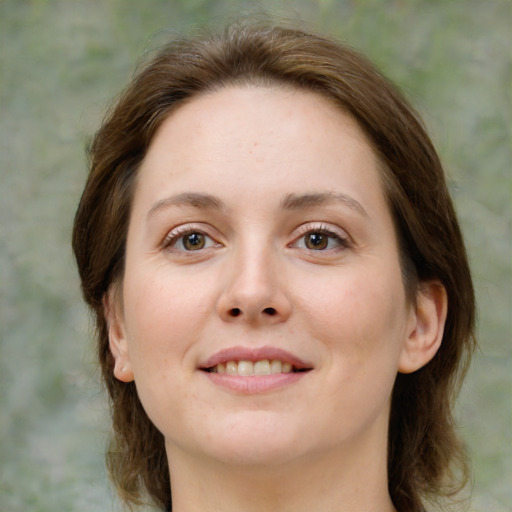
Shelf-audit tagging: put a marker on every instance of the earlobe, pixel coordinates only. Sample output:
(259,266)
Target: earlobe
(117,337)
(427,327)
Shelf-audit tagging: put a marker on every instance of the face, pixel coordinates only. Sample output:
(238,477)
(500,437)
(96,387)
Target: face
(263,313)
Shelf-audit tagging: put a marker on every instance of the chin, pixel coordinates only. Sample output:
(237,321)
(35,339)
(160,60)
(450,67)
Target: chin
(251,456)
(258,438)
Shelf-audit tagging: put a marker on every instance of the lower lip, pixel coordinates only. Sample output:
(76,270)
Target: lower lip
(256,383)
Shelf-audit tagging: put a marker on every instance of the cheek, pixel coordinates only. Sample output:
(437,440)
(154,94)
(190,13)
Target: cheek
(162,318)
(353,318)
(359,315)
(162,324)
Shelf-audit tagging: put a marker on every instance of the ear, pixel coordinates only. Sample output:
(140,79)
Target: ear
(117,336)
(426,327)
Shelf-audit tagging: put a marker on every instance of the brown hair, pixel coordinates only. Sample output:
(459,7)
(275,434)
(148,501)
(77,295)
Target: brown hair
(425,457)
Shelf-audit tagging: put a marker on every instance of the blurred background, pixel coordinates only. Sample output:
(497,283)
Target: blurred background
(61,63)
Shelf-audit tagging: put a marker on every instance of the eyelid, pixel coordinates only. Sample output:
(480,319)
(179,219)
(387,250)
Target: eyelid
(327,229)
(174,235)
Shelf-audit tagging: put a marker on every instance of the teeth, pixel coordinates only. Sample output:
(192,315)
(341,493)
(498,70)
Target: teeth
(232,368)
(245,368)
(276,366)
(262,367)
(249,368)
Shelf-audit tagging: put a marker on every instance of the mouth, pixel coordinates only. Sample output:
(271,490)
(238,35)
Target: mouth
(249,362)
(247,368)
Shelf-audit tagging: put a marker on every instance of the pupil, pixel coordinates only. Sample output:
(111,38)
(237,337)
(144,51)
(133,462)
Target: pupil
(316,241)
(194,241)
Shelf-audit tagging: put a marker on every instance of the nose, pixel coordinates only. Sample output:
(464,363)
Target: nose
(253,292)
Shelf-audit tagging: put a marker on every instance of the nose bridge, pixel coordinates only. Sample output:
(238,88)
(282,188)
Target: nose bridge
(252,290)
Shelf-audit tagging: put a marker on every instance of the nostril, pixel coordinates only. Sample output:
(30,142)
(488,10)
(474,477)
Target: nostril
(235,312)
(270,311)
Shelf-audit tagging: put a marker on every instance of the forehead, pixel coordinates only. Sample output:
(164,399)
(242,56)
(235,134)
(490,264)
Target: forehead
(238,141)
(273,111)
(258,123)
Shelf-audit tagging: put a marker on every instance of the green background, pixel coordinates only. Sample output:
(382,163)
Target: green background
(61,62)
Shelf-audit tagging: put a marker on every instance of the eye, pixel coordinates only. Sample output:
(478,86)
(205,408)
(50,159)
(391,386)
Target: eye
(193,241)
(316,241)
(188,240)
(321,239)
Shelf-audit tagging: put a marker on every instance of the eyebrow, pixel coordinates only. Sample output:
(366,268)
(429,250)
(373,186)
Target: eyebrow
(297,202)
(194,199)
(290,202)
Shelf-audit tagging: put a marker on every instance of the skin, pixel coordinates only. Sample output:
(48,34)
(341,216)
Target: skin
(319,442)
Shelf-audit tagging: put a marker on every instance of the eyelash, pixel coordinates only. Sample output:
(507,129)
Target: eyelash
(342,241)
(180,233)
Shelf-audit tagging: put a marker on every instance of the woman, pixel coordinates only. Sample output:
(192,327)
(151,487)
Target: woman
(283,301)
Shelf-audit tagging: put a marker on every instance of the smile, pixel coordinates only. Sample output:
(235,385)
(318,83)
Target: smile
(250,368)
(254,370)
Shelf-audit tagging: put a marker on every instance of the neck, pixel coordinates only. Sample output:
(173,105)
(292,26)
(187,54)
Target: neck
(327,482)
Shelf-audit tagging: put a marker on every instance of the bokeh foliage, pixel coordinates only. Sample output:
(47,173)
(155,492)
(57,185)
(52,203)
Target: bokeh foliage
(61,62)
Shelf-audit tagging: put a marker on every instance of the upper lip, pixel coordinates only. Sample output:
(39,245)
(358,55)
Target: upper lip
(254,354)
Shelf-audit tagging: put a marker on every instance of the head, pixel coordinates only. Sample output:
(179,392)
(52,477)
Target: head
(423,451)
